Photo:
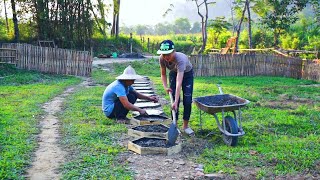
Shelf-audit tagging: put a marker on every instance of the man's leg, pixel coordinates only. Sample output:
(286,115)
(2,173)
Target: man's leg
(119,111)
(132,97)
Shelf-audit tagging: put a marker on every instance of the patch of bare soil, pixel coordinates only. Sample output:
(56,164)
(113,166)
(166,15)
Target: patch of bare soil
(177,166)
(49,155)
(285,102)
(251,173)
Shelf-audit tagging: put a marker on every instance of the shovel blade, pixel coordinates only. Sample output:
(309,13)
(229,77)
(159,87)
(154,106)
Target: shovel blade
(173,134)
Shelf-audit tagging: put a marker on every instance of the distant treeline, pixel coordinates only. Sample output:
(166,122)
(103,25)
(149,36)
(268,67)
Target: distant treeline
(83,25)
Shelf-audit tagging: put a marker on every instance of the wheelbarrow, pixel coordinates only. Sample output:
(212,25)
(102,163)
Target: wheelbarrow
(231,126)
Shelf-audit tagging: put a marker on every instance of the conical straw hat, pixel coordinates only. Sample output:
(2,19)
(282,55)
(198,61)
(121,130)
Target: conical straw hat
(129,74)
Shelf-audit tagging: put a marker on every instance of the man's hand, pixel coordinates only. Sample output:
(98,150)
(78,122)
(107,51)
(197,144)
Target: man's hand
(154,98)
(143,112)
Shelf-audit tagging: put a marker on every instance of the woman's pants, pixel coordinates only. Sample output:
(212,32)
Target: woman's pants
(187,89)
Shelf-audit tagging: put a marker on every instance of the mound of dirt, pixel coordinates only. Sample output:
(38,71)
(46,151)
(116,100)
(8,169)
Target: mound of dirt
(131,55)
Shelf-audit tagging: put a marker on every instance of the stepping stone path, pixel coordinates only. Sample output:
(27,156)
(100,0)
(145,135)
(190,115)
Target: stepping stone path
(151,142)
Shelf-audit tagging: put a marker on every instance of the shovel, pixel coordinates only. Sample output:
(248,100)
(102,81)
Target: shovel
(173,132)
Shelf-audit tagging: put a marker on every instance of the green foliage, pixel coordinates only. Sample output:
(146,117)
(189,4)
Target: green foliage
(281,133)
(179,26)
(87,131)
(182,25)
(281,124)
(290,42)
(216,28)
(3,30)
(282,15)
(21,94)
(113,44)
(183,42)
(196,28)
(217,42)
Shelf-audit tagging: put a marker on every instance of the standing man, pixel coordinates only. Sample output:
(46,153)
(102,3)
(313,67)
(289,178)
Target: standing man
(180,77)
(119,97)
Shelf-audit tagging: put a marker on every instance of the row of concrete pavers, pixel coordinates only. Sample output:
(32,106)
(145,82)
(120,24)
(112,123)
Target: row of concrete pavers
(150,132)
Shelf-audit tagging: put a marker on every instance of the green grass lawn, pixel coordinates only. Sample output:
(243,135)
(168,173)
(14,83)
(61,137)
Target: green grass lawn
(22,94)
(282,124)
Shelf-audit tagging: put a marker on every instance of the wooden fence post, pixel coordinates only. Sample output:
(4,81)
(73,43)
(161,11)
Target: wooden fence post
(148,45)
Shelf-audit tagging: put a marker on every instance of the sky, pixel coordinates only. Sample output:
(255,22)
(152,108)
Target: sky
(147,12)
(150,12)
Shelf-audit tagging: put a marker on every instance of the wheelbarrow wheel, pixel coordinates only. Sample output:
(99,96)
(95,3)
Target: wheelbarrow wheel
(231,127)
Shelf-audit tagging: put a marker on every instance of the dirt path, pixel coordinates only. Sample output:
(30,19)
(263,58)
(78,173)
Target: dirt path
(49,155)
(177,166)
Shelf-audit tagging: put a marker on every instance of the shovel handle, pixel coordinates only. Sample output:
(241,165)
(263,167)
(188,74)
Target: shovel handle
(173,112)
(220,89)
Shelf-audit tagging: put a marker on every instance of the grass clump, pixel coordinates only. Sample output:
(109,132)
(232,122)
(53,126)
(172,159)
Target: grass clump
(22,94)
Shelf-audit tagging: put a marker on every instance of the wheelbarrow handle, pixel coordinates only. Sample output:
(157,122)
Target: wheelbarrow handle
(220,89)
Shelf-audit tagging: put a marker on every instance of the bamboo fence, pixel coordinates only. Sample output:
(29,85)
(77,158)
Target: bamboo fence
(8,55)
(311,70)
(52,60)
(253,65)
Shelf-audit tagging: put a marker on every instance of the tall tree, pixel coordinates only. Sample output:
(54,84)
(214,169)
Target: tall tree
(15,21)
(6,15)
(242,7)
(42,19)
(316,8)
(115,24)
(182,25)
(196,27)
(218,25)
(282,14)
(162,29)
(249,24)
(100,22)
(239,27)
(232,3)
(204,20)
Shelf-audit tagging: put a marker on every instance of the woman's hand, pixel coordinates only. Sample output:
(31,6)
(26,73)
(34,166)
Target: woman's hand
(174,106)
(168,90)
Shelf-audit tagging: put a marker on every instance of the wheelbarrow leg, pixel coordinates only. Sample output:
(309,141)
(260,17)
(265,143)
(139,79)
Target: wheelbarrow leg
(240,120)
(223,122)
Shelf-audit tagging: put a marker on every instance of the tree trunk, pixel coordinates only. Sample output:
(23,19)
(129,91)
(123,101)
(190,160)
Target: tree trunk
(6,15)
(115,22)
(232,17)
(275,38)
(204,22)
(101,29)
(15,21)
(239,28)
(118,20)
(113,29)
(249,24)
